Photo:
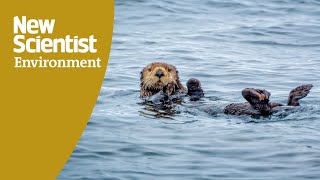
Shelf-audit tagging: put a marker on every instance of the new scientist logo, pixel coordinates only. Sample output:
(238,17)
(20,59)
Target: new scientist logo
(36,44)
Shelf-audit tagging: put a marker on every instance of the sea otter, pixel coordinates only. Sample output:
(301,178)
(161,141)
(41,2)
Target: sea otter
(258,101)
(157,77)
(161,85)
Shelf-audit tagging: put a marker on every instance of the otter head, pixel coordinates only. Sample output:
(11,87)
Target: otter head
(157,77)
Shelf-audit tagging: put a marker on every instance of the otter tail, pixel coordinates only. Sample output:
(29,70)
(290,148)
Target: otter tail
(298,93)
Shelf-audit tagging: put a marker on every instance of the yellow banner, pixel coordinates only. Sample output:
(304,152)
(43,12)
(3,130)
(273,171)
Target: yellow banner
(54,56)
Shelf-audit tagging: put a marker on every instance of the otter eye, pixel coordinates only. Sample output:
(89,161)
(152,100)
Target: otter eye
(149,69)
(177,72)
(140,72)
(169,70)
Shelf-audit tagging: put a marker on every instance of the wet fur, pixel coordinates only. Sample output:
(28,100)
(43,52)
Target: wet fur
(258,101)
(195,91)
(298,93)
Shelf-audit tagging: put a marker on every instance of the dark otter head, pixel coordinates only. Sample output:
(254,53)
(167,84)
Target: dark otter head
(157,77)
(258,99)
(194,89)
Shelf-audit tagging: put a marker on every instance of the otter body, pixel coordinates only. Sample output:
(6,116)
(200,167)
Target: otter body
(241,109)
(258,102)
(247,109)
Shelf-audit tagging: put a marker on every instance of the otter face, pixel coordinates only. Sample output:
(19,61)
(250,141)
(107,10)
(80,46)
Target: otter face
(159,76)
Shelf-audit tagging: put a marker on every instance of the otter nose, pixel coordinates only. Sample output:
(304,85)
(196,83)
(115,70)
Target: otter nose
(159,73)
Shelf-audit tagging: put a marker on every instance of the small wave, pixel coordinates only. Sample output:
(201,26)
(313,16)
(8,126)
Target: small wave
(274,43)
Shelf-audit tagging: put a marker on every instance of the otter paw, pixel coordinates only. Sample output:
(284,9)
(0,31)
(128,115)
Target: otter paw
(254,96)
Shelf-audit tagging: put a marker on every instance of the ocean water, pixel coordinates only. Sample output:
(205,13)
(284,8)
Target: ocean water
(228,45)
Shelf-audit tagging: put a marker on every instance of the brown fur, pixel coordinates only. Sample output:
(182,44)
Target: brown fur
(151,84)
(298,93)
(258,101)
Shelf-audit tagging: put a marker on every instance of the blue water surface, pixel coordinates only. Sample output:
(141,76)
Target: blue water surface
(228,45)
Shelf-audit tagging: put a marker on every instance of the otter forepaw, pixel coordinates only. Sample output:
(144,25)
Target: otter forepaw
(170,89)
(195,91)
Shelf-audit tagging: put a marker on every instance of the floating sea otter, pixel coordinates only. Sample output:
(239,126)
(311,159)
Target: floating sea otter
(258,101)
(161,82)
